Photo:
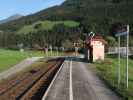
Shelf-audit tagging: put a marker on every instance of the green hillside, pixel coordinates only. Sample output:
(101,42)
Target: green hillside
(96,15)
(45,25)
(99,16)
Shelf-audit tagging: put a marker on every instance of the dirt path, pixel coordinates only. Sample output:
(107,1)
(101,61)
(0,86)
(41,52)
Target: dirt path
(19,67)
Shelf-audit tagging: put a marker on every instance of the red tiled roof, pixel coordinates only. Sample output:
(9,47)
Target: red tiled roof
(96,38)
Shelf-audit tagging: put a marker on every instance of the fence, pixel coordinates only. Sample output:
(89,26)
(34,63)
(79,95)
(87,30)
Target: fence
(114,50)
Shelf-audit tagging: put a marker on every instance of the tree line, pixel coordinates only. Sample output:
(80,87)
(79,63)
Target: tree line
(41,38)
(99,16)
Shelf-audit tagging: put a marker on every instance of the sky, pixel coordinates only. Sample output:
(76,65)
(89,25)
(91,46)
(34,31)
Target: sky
(24,7)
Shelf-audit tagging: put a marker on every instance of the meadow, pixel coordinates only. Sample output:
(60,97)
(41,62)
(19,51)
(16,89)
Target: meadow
(46,25)
(9,58)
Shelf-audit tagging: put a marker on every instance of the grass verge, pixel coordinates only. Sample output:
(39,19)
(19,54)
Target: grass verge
(108,71)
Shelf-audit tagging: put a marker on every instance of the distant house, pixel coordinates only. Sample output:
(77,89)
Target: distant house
(95,48)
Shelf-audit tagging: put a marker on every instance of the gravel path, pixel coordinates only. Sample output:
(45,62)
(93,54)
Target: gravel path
(19,67)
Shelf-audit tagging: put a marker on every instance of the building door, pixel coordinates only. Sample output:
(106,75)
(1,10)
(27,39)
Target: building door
(91,54)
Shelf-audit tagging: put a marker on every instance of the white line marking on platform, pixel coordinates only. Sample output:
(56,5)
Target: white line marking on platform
(71,89)
(47,91)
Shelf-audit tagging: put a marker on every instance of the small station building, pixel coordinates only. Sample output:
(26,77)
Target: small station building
(95,48)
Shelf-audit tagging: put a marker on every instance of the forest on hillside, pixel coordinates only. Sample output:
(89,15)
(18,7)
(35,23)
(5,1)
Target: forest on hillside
(99,16)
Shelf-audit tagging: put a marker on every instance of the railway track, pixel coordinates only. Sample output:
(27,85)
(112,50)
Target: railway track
(31,86)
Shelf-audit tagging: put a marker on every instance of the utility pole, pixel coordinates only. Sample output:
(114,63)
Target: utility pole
(127,56)
(119,62)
